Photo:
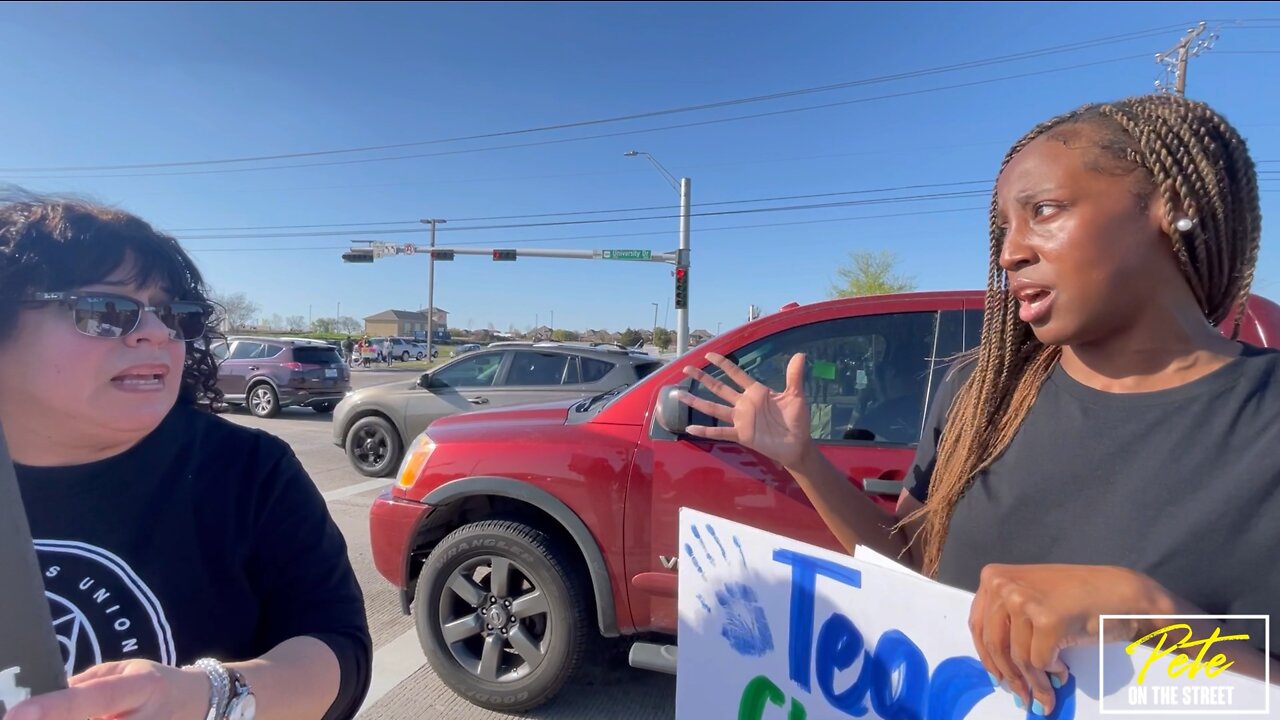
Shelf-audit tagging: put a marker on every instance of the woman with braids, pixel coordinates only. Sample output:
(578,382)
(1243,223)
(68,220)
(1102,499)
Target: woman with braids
(1106,449)
(191,566)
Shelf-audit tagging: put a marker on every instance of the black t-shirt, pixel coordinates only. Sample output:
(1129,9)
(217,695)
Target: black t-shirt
(1180,484)
(206,539)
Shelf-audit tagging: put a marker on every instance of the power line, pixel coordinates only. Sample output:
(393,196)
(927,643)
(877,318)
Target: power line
(587,212)
(573,238)
(954,67)
(563,223)
(598,136)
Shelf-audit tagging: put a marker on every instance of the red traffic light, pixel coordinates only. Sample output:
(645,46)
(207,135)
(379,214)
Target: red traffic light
(681,272)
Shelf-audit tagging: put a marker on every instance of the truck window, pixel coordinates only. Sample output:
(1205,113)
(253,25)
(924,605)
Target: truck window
(866,378)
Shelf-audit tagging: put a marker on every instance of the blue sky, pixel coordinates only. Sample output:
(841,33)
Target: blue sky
(106,85)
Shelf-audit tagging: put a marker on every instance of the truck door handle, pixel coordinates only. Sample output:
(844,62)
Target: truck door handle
(876,486)
(478,400)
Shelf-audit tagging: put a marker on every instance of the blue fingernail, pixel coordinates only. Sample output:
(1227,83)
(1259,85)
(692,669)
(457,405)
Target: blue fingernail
(1055,681)
(995,682)
(1037,708)
(1017,701)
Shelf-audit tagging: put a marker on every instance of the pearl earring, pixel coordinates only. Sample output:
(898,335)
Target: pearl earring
(1183,224)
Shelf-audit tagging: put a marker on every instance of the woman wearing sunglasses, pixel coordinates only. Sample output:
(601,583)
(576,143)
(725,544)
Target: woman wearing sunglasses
(192,568)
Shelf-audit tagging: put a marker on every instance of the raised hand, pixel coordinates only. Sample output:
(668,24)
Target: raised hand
(774,424)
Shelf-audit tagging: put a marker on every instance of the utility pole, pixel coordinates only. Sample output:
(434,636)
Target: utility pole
(1175,58)
(431,286)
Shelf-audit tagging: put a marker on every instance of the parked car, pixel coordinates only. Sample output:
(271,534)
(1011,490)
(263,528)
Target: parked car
(403,349)
(419,348)
(267,374)
(533,531)
(374,425)
(464,349)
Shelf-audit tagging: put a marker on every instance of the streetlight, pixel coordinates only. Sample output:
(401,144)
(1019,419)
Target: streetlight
(655,323)
(684,186)
(431,285)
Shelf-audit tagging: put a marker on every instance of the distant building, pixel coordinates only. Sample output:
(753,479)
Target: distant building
(406,323)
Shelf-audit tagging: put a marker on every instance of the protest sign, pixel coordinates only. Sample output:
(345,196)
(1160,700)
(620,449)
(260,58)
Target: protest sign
(30,658)
(774,628)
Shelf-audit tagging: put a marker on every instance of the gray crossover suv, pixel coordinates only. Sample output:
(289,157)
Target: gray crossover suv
(373,425)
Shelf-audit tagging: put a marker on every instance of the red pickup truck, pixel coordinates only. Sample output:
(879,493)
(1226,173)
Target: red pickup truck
(520,537)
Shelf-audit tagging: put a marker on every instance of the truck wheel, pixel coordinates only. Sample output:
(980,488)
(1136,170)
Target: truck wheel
(503,614)
(373,447)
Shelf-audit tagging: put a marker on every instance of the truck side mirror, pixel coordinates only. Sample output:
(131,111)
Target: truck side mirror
(672,415)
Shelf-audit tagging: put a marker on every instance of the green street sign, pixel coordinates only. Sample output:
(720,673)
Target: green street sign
(627,254)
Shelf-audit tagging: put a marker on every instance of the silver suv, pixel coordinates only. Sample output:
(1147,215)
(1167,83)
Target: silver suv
(373,425)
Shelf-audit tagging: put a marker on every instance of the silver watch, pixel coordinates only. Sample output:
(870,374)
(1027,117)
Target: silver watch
(243,705)
(219,685)
(230,697)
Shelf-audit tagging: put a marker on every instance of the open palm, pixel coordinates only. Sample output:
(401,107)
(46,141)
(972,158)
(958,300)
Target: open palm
(774,424)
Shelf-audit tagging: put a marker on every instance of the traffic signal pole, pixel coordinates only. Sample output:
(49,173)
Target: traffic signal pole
(684,187)
(682,282)
(373,250)
(377,250)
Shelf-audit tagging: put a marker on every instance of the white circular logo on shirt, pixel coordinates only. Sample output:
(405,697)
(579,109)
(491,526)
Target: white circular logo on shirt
(101,609)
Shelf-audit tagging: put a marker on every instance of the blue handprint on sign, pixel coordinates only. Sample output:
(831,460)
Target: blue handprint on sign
(744,624)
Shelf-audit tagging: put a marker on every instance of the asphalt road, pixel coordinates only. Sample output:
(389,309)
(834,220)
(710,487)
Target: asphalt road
(403,684)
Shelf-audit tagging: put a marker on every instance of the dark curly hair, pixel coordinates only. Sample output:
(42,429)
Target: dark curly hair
(50,244)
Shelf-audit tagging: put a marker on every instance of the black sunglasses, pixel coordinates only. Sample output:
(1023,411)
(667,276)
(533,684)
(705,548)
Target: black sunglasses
(108,315)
